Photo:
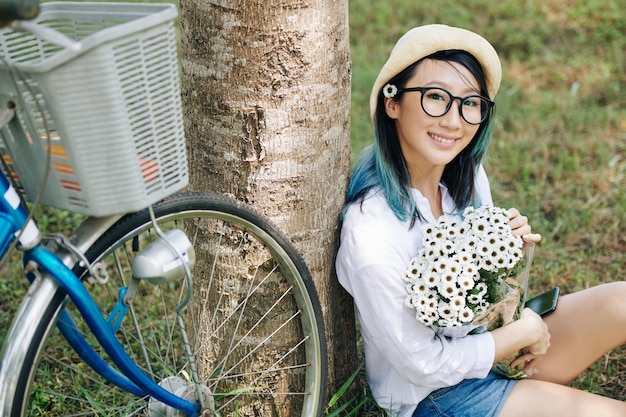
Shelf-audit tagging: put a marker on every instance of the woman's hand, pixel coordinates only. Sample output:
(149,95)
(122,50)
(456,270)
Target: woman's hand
(519,225)
(532,353)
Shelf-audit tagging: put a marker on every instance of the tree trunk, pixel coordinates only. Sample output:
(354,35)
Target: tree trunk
(266,93)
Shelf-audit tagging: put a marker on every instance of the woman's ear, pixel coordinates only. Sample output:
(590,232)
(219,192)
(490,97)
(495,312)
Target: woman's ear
(391,107)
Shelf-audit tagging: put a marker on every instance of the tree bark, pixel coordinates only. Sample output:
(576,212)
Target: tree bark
(266,95)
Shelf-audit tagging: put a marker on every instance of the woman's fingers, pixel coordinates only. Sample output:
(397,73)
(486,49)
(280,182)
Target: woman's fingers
(520,227)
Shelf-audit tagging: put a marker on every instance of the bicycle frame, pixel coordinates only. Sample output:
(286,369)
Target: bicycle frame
(44,267)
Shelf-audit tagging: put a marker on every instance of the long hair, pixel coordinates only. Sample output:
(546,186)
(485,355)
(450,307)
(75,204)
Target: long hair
(383,164)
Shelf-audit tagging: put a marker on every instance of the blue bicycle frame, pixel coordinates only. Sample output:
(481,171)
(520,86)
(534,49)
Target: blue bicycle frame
(41,262)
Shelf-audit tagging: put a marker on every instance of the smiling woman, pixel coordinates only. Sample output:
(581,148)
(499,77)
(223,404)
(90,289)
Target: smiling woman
(558,149)
(426,164)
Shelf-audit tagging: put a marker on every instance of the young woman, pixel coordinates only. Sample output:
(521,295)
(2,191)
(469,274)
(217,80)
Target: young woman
(432,107)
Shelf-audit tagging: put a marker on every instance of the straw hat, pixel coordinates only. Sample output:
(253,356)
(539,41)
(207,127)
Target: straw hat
(422,41)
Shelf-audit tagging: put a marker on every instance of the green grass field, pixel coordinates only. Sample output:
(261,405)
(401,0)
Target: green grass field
(558,151)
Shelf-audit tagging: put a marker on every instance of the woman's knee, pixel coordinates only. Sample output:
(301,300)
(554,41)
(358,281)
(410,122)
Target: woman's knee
(610,297)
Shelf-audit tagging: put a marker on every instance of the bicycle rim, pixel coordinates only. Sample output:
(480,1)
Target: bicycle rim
(252,325)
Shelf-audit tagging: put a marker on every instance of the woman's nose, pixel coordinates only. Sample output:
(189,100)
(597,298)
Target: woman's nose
(453,117)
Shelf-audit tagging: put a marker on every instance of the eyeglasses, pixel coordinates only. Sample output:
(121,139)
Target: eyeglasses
(437,101)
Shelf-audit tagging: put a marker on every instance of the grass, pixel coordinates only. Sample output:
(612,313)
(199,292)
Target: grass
(559,145)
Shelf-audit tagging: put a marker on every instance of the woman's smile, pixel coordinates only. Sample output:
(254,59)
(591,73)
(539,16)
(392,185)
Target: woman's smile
(442,139)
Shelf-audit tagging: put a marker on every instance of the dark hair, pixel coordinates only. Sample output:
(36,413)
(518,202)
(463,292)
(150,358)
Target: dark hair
(383,163)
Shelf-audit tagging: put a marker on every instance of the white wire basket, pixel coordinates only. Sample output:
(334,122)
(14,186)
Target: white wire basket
(110,111)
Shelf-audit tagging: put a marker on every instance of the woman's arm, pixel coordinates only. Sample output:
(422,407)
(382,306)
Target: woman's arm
(528,334)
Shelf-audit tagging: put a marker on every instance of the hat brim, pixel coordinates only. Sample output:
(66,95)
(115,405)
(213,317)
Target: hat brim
(423,41)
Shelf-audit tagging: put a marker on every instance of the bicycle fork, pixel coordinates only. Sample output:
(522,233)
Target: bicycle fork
(155,264)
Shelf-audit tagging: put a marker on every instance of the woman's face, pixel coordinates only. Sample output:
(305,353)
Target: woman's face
(428,141)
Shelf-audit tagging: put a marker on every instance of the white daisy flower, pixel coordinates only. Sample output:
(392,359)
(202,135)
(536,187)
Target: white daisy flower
(457,302)
(474,299)
(481,288)
(466,315)
(447,288)
(432,279)
(466,281)
(390,90)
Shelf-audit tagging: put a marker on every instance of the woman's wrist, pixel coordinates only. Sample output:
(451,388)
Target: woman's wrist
(515,336)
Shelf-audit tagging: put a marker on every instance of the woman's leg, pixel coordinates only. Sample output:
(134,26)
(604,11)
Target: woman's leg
(546,399)
(585,326)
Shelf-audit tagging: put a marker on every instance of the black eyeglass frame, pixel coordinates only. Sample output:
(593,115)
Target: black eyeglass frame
(423,90)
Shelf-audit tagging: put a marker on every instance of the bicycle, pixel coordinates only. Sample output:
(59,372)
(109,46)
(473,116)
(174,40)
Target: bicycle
(162,302)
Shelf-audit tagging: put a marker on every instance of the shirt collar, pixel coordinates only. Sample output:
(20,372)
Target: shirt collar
(447,203)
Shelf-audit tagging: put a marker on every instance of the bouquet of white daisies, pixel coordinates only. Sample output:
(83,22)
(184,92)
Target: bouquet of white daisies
(470,276)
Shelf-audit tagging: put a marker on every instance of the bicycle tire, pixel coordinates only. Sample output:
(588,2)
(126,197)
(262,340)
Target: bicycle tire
(256,333)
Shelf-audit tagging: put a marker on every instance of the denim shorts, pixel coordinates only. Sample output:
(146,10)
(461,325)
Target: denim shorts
(470,398)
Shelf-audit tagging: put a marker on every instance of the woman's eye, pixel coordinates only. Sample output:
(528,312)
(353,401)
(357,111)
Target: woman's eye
(435,96)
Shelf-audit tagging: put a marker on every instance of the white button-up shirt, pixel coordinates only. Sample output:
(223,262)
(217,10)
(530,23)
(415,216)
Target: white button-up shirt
(405,360)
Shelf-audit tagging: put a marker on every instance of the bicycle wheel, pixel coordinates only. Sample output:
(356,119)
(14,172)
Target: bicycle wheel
(252,322)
